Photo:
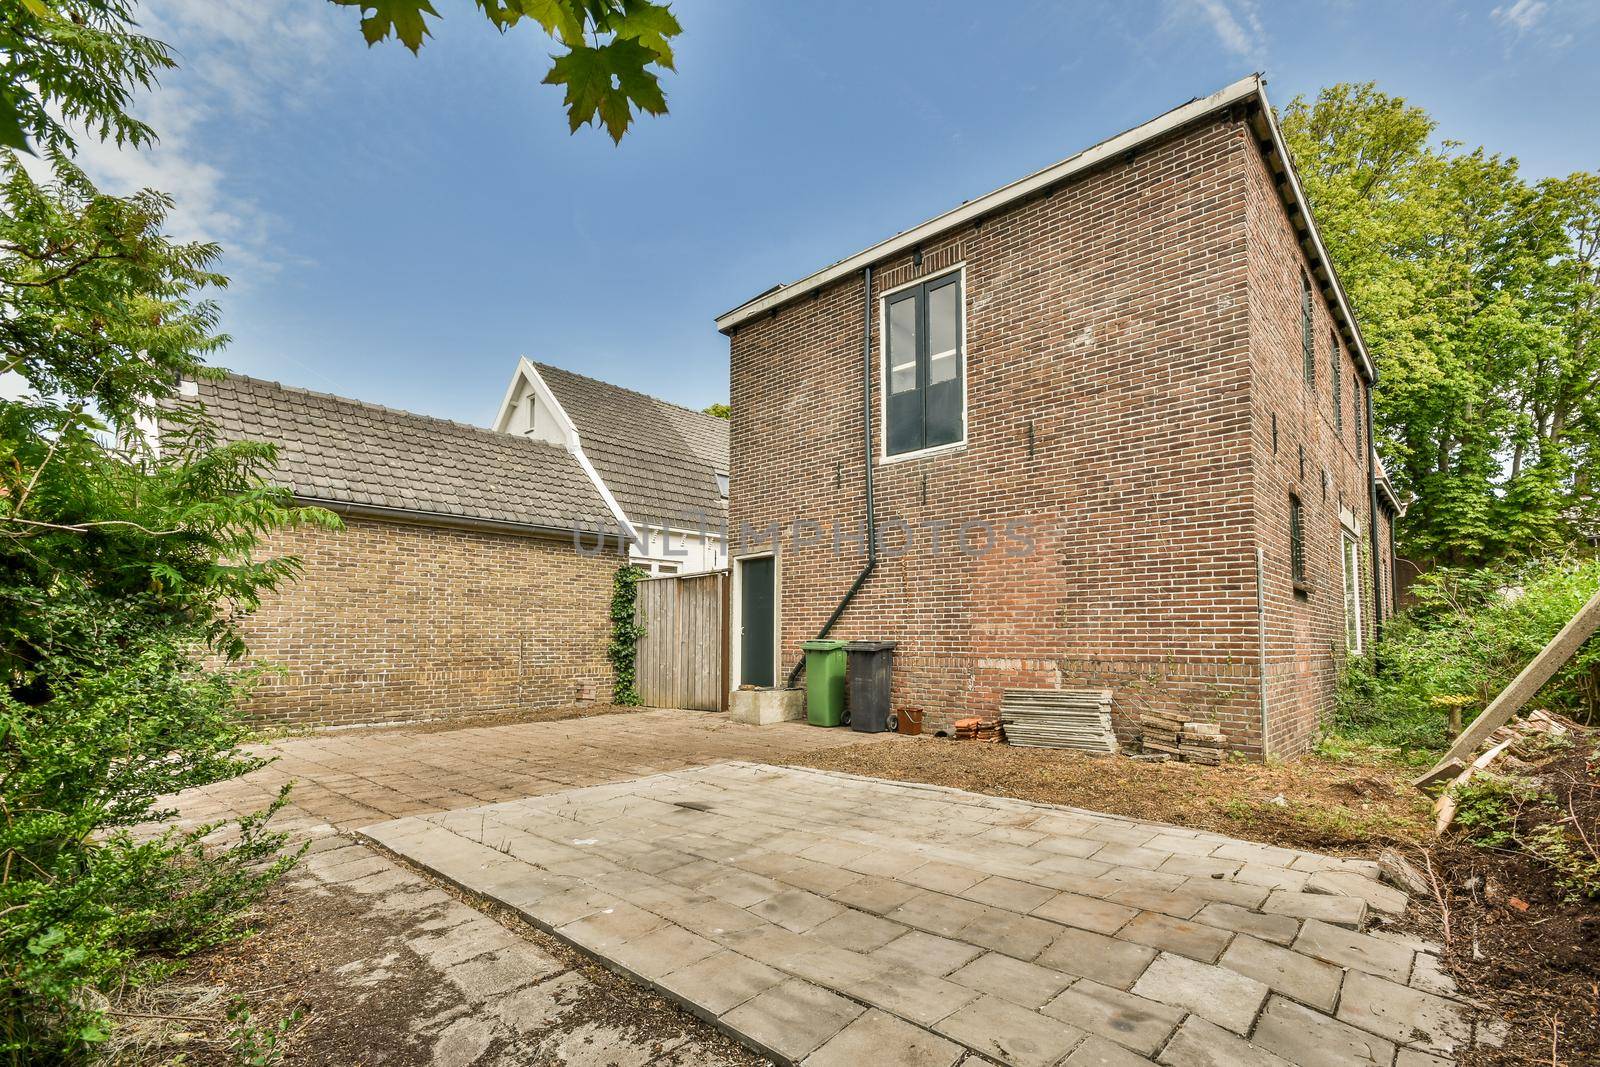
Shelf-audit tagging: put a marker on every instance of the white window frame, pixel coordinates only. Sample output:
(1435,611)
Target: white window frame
(1350,560)
(884,457)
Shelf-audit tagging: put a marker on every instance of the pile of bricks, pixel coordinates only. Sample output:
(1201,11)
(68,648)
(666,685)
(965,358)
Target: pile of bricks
(1168,733)
(976,729)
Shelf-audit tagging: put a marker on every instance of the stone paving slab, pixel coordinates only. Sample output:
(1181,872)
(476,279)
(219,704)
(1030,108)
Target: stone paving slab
(825,918)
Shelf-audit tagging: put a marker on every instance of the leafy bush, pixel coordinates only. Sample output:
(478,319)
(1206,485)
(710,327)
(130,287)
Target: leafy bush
(1467,635)
(1489,805)
(123,567)
(1550,818)
(109,638)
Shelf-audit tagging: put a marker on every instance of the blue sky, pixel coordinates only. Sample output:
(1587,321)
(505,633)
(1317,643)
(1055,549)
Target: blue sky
(400,229)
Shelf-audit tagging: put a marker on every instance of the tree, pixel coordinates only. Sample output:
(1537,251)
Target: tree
(123,568)
(611,46)
(721,411)
(1476,292)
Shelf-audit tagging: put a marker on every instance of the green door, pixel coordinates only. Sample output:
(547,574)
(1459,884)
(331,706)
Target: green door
(756,622)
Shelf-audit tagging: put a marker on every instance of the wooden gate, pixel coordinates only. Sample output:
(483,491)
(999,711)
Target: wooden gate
(682,660)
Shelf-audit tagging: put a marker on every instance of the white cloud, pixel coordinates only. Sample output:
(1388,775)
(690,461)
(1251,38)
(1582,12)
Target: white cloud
(1521,16)
(1236,24)
(239,63)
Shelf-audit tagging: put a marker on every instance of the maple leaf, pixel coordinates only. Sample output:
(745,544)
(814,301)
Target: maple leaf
(502,13)
(649,24)
(561,19)
(612,44)
(405,19)
(608,82)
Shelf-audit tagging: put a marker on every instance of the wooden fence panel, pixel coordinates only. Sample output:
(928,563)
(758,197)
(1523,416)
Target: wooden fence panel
(680,658)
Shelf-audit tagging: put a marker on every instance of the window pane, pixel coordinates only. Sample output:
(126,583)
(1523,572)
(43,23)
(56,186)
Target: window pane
(944,323)
(941,368)
(903,345)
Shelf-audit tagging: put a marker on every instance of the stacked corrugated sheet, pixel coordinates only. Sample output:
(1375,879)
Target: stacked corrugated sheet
(1058,718)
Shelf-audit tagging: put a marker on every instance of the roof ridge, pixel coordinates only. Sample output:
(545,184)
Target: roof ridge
(625,389)
(370,405)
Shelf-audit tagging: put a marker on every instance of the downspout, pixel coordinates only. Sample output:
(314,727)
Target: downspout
(866,430)
(1372,517)
(1261,638)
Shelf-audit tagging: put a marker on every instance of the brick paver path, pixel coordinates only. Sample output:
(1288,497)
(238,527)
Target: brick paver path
(835,920)
(490,997)
(348,779)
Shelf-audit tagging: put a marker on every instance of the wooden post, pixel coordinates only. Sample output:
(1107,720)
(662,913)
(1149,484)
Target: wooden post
(1561,648)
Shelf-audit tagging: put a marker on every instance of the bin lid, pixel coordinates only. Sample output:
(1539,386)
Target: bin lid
(822,645)
(869,646)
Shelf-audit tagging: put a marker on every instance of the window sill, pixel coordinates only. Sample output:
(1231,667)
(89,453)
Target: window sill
(923,453)
(1302,590)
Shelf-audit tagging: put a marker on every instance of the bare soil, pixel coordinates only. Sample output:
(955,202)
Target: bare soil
(1518,942)
(1306,803)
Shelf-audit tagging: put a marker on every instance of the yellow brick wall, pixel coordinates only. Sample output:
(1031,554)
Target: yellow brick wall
(400,622)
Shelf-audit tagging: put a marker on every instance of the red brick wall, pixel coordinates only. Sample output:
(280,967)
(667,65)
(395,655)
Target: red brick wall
(400,622)
(1305,632)
(1108,379)
(1129,338)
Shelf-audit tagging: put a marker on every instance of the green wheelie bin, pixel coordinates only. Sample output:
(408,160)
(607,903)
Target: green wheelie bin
(824,682)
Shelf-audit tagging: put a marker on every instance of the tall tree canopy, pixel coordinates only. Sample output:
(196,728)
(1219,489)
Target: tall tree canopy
(1476,291)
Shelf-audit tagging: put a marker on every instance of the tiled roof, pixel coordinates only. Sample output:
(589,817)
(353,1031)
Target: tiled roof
(340,451)
(659,460)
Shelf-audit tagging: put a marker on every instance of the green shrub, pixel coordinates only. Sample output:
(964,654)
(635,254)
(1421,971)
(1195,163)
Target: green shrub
(1467,635)
(123,567)
(95,899)
(1489,806)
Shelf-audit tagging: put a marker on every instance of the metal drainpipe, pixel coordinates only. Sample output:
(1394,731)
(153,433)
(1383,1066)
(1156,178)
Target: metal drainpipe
(1261,638)
(1372,517)
(866,422)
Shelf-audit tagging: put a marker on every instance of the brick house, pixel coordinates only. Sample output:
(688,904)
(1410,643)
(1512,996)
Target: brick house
(469,577)
(1115,434)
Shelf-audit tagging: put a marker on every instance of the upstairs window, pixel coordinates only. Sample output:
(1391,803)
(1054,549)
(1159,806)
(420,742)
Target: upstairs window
(722,485)
(1308,346)
(1338,382)
(924,367)
(1297,543)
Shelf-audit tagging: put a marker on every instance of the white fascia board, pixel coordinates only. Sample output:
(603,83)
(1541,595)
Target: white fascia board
(527,372)
(1243,89)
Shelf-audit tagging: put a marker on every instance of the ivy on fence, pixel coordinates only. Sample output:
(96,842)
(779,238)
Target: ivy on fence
(625,633)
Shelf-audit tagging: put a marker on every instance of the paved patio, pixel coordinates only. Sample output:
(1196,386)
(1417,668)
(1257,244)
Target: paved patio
(834,920)
(452,986)
(348,779)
